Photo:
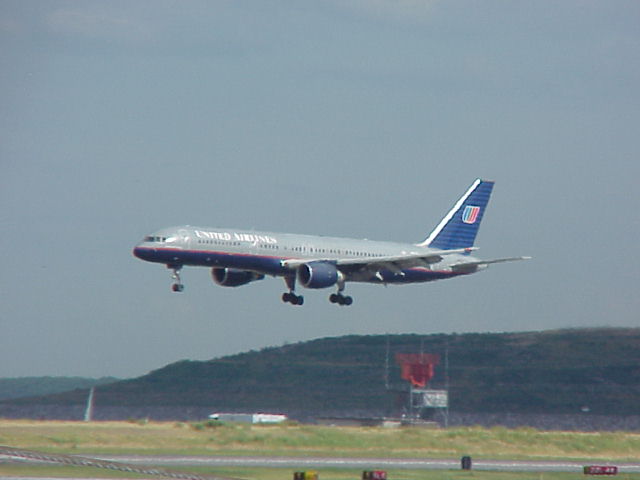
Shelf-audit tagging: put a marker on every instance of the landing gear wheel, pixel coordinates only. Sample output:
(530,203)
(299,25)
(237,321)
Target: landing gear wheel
(340,299)
(292,298)
(177,286)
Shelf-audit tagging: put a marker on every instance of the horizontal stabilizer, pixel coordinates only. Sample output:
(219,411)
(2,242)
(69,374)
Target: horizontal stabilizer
(470,267)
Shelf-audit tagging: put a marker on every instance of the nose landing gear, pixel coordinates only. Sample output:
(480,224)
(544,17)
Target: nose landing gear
(177,283)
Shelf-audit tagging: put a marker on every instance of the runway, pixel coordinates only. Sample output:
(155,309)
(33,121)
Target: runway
(364,463)
(360,463)
(147,463)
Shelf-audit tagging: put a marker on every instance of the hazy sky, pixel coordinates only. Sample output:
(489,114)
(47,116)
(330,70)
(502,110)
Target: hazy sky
(361,118)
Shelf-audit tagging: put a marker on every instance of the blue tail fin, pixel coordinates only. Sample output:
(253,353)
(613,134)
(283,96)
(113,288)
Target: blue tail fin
(458,229)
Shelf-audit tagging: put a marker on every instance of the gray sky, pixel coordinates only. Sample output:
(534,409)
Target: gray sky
(361,118)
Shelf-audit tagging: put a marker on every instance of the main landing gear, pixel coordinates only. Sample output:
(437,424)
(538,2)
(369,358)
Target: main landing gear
(340,299)
(293,299)
(177,284)
(290,296)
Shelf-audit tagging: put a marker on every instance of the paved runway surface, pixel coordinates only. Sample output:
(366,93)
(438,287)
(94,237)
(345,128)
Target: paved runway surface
(364,463)
(296,463)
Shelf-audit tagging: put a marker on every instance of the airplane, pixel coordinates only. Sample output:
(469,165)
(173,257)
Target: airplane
(237,257)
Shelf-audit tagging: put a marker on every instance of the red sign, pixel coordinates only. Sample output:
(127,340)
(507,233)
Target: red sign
(600,470)
(374,475)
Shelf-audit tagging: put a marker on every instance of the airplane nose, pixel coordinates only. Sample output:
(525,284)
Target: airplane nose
(142,253)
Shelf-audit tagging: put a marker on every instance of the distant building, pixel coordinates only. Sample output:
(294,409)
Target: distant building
(248,417)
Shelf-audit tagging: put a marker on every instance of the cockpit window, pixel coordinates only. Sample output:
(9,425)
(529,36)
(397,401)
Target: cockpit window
(152,238)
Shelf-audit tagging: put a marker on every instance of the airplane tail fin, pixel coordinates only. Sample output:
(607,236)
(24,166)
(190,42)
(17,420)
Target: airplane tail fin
(458,229)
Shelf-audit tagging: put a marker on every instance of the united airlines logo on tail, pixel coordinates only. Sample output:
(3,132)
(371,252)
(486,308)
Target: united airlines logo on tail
(470,214)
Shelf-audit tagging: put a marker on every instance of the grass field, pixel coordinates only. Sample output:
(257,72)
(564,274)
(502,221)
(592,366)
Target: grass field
(304,440)
(287,474)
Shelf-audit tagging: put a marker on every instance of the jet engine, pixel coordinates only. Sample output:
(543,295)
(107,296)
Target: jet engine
(232,277)
(318,275)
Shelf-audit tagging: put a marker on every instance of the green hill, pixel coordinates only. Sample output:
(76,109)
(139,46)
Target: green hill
(535,372)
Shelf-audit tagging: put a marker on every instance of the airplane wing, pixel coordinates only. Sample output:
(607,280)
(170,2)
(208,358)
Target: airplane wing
(470,267)
(394,263)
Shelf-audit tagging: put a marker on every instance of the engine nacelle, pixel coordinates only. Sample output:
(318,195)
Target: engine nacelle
(231,277)
(318,275)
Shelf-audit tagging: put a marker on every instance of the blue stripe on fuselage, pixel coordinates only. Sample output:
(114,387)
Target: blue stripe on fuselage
(413,275)
(204,258)
(271,265)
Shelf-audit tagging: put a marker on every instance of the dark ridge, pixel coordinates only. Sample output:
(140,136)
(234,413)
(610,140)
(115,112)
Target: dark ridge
(551,372)
(11,388)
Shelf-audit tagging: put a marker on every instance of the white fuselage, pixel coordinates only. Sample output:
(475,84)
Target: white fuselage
(268,252)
